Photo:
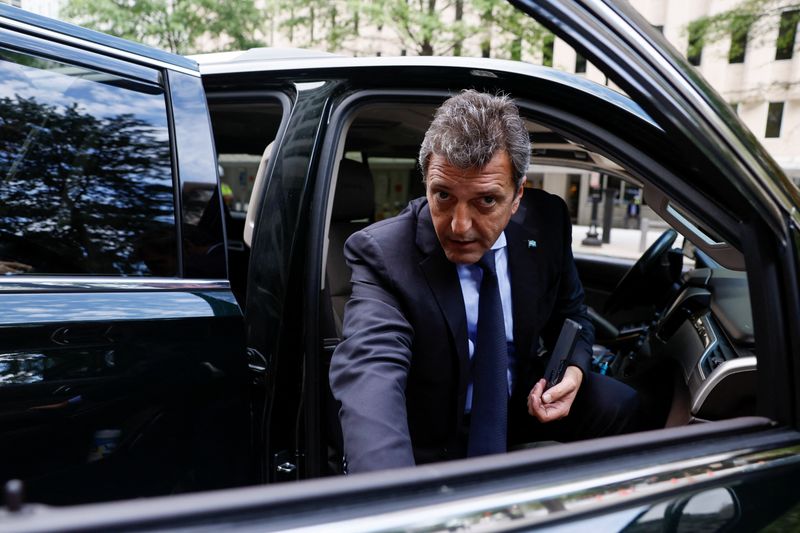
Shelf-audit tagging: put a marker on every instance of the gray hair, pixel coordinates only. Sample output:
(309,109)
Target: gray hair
(470,127)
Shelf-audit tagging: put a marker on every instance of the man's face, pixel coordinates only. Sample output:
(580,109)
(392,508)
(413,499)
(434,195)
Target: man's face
(471,208)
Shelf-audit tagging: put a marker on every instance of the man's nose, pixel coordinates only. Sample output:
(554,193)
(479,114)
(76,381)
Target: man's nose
(462,219)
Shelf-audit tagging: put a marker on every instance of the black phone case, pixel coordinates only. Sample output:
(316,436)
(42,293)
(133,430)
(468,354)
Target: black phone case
(562,353)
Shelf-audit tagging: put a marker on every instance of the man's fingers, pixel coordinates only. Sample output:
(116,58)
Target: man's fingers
(549,412)
(535,398)
(557,392)
(542,411)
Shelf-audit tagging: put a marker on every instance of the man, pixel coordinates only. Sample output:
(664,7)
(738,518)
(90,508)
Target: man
(440,357)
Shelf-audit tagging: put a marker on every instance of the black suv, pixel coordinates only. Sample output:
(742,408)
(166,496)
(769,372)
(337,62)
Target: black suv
(163,332)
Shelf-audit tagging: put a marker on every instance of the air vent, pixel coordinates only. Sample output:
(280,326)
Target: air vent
(719,355)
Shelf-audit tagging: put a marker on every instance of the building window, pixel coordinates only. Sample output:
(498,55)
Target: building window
(784,48)
(735,107)
(548,41)
(580,64)
(695,52)
(738,47)
(774,119)
(659,28)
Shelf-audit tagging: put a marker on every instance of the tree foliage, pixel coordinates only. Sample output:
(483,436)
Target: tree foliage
(749,18)
(507,31)
(180,26)
(423,27)
(326,23)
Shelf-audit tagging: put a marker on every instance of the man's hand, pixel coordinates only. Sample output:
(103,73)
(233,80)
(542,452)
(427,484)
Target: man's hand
(555,403)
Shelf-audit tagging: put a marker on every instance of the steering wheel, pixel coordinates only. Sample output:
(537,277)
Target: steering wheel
(635,279)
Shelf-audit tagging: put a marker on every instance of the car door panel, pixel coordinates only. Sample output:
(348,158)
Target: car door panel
(156,369)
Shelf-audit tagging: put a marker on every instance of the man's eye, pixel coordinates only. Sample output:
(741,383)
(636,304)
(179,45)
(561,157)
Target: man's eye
(442,195)
(489,200)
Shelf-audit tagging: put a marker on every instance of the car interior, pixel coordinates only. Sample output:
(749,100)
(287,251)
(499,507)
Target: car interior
(243,130)
(675,324)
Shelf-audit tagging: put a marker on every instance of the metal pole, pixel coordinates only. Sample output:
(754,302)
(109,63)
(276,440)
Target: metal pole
(608,214)
(592,235)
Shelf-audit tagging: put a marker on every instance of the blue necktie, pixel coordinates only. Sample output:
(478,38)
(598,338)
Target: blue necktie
(488,423)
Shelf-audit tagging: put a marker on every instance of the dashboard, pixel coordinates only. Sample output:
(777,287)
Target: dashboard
(708,331)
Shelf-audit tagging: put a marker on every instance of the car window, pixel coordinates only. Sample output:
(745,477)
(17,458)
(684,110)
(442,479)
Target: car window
(85,172)
(242,131)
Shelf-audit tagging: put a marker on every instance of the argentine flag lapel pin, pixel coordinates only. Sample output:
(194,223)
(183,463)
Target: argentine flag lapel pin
(531,243)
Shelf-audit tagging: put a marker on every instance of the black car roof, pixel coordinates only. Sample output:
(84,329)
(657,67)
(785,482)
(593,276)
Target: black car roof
(10,15)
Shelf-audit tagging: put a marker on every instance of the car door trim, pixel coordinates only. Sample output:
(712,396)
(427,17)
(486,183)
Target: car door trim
(522,508)
(744,445)
(20,284)
(89,45)
(722,372)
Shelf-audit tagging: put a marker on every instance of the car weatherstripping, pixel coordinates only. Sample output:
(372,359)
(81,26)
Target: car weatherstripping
(169,310)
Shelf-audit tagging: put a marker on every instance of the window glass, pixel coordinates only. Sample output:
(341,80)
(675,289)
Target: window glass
(695,51)
(242,131)
(787,32)
(85,175)
(204,254)
(736,52)
(580,64)
(548,43)
(774,119)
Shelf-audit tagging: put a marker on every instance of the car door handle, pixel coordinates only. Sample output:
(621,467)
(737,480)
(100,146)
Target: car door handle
(256,361)
(82,335)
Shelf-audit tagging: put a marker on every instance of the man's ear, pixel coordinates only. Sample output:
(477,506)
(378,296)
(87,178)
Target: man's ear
(518,196)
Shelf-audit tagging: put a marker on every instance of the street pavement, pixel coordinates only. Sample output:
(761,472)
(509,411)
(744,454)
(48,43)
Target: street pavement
(624,242)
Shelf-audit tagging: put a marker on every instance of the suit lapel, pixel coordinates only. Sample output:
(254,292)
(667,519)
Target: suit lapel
(442,279)
(526,270)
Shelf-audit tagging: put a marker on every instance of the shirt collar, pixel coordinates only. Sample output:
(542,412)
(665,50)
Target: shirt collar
(500,242)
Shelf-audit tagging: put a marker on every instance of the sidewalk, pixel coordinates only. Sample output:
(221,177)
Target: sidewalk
(624,242)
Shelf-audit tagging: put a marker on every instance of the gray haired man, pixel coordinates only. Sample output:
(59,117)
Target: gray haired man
(451,299)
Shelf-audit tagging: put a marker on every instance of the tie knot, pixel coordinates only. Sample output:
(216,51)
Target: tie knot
(487,263)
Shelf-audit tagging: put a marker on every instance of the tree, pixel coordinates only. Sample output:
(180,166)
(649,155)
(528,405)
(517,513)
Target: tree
(180,26)
(746,22)
(440,27)
(424,27)
(320,22)
(508,31)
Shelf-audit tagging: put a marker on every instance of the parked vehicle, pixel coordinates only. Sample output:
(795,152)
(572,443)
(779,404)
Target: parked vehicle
(162,335)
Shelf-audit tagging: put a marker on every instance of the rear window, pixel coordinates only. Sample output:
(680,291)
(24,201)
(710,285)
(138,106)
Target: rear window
(85,175)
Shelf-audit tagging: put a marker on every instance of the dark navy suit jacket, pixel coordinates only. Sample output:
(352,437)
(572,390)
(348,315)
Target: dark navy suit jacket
(402,369)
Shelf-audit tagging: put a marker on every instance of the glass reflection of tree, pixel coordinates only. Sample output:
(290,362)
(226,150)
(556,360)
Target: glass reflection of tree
(78,191)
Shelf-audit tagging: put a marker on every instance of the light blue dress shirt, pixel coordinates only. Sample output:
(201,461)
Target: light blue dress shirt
(470,277)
